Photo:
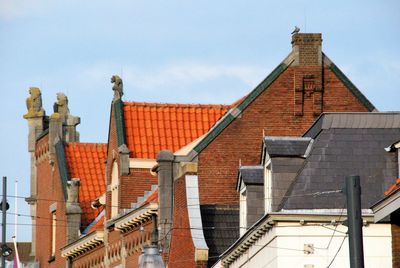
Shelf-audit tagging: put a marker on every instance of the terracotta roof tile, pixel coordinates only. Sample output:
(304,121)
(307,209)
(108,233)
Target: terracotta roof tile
(394,187)
(151,127)
(86,162)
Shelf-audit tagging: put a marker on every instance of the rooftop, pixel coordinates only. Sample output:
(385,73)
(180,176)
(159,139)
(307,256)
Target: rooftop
(86,162)
(346,144)
(151,127)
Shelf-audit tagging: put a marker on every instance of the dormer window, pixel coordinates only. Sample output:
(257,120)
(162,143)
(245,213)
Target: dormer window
(114,189)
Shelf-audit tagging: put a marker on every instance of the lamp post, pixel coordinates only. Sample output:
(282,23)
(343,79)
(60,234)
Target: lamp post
(5,250)
(151,257)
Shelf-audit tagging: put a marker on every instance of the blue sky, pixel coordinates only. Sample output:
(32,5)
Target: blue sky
(173,51)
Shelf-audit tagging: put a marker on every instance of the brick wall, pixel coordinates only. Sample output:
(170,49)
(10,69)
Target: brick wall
(142,181)
(112,155)
(274,112)
(182,248)
(94,259)
(49,192)
(134,241)
(140,178)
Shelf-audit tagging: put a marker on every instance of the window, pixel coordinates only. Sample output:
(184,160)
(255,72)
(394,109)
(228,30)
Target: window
(268,188)
(53,233)
(114,190)
(243,212)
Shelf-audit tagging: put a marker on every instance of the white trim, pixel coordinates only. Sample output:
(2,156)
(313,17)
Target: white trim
(53,207)
(196,226)
(185,150)
(387,206)
(80,246)
(114,190)
(136,217)
(141,163)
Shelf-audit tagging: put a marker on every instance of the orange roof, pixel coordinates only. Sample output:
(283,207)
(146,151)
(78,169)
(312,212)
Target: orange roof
(86,162)
(151,127)
(394,187)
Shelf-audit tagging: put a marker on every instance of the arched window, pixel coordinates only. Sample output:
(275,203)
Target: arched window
(114,189)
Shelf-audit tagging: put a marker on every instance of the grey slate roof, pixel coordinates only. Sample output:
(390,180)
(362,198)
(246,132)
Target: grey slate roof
(346,144)
(221,228)
(250,175)
(286,146)
(354,120)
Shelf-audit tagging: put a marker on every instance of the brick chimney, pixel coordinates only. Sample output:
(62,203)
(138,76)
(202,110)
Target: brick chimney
(307,47)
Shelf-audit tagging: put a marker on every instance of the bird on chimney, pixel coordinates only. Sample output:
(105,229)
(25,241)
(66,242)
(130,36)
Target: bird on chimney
(296,30)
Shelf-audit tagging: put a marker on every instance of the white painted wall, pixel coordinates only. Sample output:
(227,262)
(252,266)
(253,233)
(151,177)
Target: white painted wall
(283,246)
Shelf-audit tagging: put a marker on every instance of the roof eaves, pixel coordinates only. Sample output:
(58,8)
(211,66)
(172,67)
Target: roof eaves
(356,92)
(232,114)
(62,166)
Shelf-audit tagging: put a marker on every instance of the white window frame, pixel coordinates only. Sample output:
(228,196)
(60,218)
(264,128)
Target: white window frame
(53,233)
(268,187)
(243,211)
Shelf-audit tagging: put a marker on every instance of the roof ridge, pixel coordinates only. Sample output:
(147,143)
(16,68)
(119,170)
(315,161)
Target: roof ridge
(86,143)
(165,104)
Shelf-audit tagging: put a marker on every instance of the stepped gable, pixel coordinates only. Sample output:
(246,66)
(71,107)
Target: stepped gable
(86,162)
(151,127)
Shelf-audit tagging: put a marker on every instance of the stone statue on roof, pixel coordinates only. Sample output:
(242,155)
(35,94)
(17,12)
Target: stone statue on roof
(34,103)
(117,87)
(61,106)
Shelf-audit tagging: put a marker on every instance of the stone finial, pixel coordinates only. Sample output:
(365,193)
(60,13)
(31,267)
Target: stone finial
(34,103)
(72,198)
(117,87)
(73,210)
(61,106)
(73,190)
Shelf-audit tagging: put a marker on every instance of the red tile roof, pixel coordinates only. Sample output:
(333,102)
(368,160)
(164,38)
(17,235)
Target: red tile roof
(151,127)
(394,187)
(86,162)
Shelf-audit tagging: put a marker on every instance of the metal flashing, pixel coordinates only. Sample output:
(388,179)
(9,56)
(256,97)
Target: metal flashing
(232,114)
(119,121)
(62,166)
(356,92)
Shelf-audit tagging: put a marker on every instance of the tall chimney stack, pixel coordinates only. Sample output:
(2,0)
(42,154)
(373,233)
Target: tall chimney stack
(307,47)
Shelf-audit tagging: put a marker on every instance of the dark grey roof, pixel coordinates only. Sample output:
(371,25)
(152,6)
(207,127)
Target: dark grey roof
(346,144)
(354,120)
(286,146)
(251,175)
(221,228)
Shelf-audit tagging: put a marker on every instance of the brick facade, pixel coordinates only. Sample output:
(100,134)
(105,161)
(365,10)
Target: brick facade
(50,195)
(182,250)
(272,113)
